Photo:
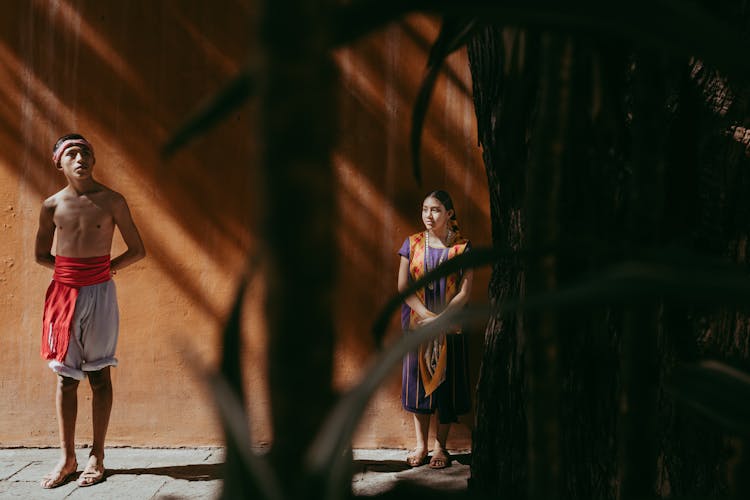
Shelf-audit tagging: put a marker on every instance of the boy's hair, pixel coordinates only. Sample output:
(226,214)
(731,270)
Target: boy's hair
(66,137)
(67,141)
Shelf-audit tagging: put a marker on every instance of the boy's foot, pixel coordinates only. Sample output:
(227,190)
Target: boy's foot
(417,458)
(59,475)
(93,473)
(440,459)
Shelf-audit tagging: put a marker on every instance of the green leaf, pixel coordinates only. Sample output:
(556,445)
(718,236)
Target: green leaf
(716,390)
(417,120)
(682,29)
(246,474)
(212,111)
(259,476)
(327,457)
(356,19)
(231,367)
(669,275)
(646,282)
(256,475)
(475,258)
(692,279)
(454,33)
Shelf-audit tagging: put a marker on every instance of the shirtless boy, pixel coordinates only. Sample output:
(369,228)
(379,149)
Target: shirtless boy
(81,317)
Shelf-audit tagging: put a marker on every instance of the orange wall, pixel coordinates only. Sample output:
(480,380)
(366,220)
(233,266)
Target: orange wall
(126,74)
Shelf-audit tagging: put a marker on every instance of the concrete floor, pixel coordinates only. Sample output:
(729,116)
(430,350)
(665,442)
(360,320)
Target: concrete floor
(141,473)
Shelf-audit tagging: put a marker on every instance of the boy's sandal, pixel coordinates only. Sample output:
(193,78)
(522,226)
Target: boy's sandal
(440,459)
(91,475)
(57,478)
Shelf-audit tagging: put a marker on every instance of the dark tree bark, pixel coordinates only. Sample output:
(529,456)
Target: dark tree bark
(649,163)
(499,463)
(544,180)
(586,448)
(591,221)
(706,170)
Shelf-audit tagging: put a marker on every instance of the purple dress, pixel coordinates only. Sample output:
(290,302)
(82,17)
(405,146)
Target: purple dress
(452,397)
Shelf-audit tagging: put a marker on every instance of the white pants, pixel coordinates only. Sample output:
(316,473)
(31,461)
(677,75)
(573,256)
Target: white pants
(93,332)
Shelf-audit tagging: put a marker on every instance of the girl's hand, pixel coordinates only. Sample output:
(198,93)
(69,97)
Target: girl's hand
(427,318)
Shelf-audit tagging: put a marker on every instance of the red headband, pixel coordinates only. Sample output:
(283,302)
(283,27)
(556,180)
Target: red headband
(69,143)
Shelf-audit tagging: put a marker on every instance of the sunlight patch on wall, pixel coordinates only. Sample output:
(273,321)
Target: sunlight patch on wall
(210,51)
(29,95)
(194,266)
(364,83)
(75,23)
(373,210)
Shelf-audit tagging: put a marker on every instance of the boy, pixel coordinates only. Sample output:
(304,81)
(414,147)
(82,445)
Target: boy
(80,325)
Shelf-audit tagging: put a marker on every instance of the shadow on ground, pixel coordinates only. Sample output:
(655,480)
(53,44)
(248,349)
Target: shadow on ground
(196,472)
(393,466)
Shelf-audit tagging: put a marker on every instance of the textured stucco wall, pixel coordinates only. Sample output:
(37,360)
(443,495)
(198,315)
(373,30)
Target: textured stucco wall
(126,74)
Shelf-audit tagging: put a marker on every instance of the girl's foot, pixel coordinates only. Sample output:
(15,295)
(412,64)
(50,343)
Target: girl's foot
(440,459)
(417,458)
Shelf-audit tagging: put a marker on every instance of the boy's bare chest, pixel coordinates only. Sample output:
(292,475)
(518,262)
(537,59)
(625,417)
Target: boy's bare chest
(82,214)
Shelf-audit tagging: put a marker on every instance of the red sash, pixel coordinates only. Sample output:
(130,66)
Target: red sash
(71,273)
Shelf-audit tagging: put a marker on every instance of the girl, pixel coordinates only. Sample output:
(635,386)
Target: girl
(434,378)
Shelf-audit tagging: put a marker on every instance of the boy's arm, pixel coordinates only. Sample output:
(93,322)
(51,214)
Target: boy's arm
(124,221)
(45,235)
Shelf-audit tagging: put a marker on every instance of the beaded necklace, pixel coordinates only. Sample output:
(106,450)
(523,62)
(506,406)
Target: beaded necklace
(441,259)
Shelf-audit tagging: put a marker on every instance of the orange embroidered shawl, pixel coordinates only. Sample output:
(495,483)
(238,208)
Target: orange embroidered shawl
(433,355)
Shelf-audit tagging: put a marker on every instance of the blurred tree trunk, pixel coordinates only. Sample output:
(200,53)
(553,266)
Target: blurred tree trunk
(591,223)
(299,221)
(544,180)
(641,322)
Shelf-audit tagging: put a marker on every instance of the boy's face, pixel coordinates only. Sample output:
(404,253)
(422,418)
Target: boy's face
(76,162)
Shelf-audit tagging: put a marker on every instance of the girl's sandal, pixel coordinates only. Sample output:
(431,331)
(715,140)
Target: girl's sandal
(440,459)
(416,459)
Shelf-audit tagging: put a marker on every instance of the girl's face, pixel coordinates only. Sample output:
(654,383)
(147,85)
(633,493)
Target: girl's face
(435,216)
